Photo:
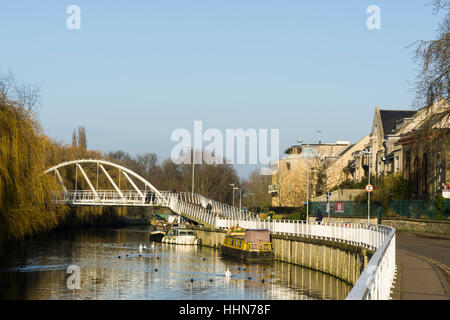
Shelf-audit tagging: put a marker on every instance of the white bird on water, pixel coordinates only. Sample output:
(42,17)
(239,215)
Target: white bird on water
(228,273)
(153,244)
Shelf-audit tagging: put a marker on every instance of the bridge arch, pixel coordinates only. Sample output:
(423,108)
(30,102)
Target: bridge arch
(189,205)
(107,163)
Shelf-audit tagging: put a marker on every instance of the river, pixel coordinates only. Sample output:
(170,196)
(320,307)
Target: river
(38,269)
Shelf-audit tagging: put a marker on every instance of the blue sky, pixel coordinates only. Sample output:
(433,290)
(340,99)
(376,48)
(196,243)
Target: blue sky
(137,70)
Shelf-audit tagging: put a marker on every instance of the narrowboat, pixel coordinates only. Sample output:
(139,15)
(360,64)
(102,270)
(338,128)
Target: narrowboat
(247,244)
(179,234)
(157,233)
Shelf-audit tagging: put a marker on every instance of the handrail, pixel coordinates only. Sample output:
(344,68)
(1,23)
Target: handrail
(375,281)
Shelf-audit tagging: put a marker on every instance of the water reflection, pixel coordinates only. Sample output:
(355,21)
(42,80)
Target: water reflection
(113,268)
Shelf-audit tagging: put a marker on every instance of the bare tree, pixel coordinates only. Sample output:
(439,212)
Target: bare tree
(74,139)
(291,186)
(6,82)
(256,190)
(433,79)
(319,166)
(82,139)
(26,96)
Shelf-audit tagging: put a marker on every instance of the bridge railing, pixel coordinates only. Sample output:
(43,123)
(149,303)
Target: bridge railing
(148,198)
(191,210)
(108,197)
(217,208)
(375,281)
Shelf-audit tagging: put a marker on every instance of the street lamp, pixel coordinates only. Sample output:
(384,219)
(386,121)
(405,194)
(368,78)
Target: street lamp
(240,198)
(307,187)
(369,153)
(232,184)
(193,168)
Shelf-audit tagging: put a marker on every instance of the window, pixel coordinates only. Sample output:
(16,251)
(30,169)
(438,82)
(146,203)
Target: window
(416,175)
(408,166)
(309,152)
(424,174)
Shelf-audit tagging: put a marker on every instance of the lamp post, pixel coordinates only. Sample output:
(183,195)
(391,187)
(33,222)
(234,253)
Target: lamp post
(232,184)
(307,187)
(193,168)
(234,188)
(240,198)
(369,153)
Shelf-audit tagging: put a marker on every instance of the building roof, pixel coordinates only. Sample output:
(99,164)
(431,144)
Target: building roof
(345,150)
(288,150)
(389,118)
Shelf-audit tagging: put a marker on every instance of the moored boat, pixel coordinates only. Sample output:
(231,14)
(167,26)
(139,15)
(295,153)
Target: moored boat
(247,244)
(157,230)
(179,234)
(157,233)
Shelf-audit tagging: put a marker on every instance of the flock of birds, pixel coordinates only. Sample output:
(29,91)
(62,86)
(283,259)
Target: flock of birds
(143,247)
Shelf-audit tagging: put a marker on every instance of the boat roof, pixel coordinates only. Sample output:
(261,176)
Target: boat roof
(178,226)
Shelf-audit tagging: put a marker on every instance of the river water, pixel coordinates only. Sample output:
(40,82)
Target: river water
(38,269)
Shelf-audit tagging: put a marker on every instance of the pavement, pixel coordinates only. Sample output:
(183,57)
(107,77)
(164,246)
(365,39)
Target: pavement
(423,266)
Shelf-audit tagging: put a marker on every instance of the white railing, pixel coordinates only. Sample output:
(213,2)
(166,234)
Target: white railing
(109,198)
(217,208)
(359,234)
(375,281)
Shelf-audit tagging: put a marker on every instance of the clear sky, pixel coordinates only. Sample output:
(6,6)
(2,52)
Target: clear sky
(137,70)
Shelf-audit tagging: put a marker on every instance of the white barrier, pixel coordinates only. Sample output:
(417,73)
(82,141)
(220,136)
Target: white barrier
(375,281)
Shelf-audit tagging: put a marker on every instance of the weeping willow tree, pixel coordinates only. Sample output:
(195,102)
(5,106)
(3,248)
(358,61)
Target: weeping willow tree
(25,193)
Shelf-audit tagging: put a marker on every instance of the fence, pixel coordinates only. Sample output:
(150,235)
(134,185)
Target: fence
(426,209)
(344,208)
(420,209)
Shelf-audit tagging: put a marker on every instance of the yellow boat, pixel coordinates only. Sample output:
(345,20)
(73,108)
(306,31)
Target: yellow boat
(247,244)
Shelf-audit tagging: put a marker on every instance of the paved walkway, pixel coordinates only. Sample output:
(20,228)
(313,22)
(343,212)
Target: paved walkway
(420,276)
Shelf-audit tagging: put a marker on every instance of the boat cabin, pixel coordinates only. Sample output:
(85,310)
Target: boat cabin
(181,232)
(251,240)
